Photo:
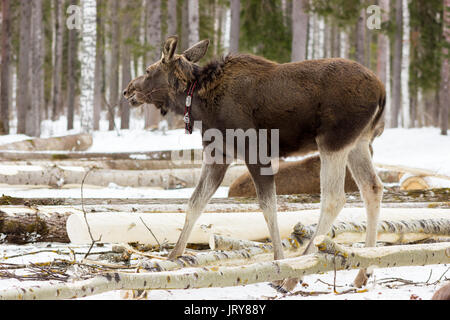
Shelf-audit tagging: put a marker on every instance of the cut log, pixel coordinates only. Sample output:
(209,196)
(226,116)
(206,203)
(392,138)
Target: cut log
(31,225)
(146,155)
(57,176)
(413,171)
(120,164)
(392,198)
(77,142)
(123,227)
(330,257)
(292,178)
(414,182)
(127,227)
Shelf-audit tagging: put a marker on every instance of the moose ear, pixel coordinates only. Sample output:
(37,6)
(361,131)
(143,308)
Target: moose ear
(197,51)
(169,48)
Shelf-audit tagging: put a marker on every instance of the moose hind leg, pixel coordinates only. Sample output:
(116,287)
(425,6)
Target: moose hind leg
(210,179)
(371,189)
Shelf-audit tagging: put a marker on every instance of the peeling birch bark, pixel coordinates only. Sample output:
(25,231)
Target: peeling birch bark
(330,256)
(400,232)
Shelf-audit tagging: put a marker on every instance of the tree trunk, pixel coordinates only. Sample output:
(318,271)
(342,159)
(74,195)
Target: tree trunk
(99,65)
(444,88)
(299,30)
(405,101)
(5,67)
(194,23)
(172,17)
(384,59)
(58,56)
(114,68)
(151,113)
(72,62)
(235,25)
(360,36)
(32,122)
(397,66)
(172,23)
(127,30)
(89,37)
(23,81)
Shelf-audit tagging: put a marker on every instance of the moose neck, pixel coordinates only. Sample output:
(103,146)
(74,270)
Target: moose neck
(178,106)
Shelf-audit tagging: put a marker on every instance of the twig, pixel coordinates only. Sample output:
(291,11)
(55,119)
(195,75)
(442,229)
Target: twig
(85,215)
(151,232)
(111,114)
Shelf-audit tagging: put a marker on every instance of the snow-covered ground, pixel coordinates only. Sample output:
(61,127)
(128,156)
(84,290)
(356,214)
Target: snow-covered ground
(421,148)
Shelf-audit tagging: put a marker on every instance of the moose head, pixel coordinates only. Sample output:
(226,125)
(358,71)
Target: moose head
(166,77)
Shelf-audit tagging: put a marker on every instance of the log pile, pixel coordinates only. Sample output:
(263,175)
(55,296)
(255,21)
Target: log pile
(330,256)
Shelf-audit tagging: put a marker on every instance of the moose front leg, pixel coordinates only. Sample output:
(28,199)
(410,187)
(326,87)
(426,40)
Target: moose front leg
(210,179)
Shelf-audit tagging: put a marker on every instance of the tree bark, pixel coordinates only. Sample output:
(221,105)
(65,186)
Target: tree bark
(172,17)
(153,35)
(444,87)
(33,121)
(72,62)
(80,142)
(114,68)
(5,67)
(23,81)
(89,37)
(99,89)
(299,30)
(28,227)
(330,257)
(127,30)
(58,56)
(397,66)
(405,100)
(194,23)
(235,25)
(360,36)
(383,62)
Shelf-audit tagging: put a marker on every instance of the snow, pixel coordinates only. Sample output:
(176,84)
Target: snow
(422,148)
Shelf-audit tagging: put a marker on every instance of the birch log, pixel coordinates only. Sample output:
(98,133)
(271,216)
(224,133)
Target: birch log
(121,227)
(76,142)
(59,175)
(398,232)
(27,226)
(330,257)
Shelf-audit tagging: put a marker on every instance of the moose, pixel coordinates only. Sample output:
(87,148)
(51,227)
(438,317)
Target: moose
(334,106)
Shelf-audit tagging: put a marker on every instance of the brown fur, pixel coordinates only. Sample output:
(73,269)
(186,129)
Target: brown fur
(292,178)
(331,105)
(443,293)
(331,98)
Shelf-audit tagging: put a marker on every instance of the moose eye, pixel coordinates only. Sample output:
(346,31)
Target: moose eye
(147,72)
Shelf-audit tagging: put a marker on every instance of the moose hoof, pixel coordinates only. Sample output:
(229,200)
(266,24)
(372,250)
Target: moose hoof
(285,286)
(361,278)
